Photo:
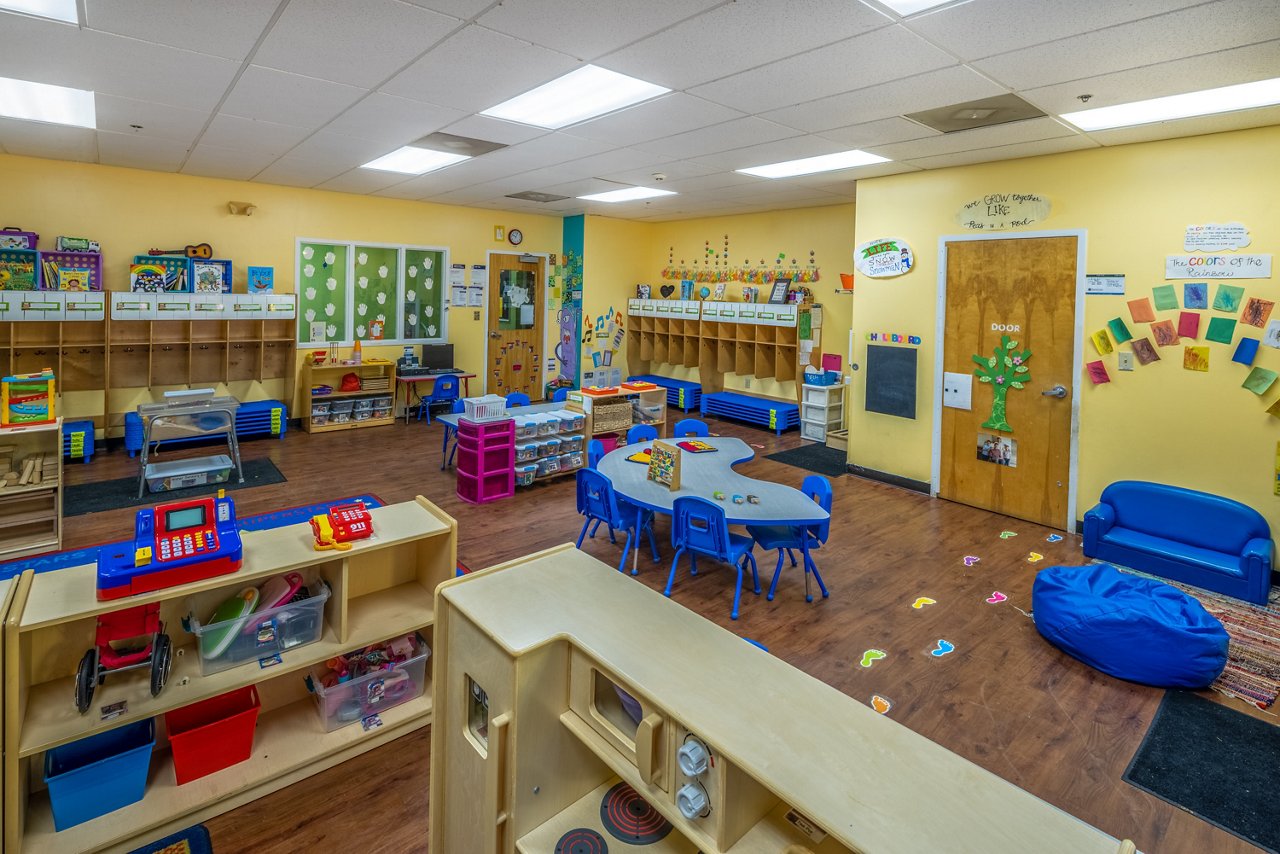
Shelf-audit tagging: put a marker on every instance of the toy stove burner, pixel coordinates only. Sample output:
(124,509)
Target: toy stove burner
(582,840)
(629,818)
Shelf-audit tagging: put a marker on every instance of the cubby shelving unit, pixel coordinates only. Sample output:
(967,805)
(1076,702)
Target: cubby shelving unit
(382,588)
(382,371)
(31,513)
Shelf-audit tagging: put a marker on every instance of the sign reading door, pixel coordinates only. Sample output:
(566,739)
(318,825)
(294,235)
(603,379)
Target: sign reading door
(1010,324)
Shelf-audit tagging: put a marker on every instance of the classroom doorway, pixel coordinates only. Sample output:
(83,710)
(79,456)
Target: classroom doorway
(513,357)
(1010,338)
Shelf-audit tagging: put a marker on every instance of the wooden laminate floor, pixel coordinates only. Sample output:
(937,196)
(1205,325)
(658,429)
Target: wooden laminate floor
(1004,699)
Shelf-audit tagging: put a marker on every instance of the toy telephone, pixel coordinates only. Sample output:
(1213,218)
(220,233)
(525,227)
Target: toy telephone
(343,524)
(173,544)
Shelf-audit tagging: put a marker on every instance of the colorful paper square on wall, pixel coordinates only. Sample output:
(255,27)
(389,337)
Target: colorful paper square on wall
(1189,324)
(1227,298)
(1195,295)
(1166,298)
(1196,358)
(1166,335)
(1140,310)
(1097,372)
(1246,351)
(1259,380)
(1257,312)
(1144,351)
(1102,342)
(1119,331)
(1221,330)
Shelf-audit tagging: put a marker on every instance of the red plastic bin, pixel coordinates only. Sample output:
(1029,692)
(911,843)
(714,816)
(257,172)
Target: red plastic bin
(212,734)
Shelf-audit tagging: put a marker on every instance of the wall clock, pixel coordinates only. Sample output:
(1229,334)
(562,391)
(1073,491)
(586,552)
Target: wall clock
(515,235)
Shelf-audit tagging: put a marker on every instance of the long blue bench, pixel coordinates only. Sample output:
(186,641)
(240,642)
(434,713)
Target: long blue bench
(775,415)
(682,394)
(256,418)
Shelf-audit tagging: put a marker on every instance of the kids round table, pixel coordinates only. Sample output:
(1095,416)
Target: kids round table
(707,473)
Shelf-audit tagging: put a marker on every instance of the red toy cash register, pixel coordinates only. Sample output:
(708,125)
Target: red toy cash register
(173,544)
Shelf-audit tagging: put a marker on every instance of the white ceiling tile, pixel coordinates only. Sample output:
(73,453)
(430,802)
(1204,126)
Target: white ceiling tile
(1190,127)
(158,120)
(674,170)
(49,52)
(665,116)
(252,135)
(1029,130)
(400,191)
(879,132)
(722,137)
(465,9)
(781,150)
(333,149)
(738,36)
(215,162)
(226,28)
(393,120)
(276,96)
(556,148)
(876,57)
(1216,26)
(477,69)
(922,92)
(587,186)
(362,181)
(1208,71)
(587,30)
(1005,152)
(613,161)
(58,142)
(360,44)
(537,179)
(140,152)
(975,30)
(297,172)
(495,130)
(697,184)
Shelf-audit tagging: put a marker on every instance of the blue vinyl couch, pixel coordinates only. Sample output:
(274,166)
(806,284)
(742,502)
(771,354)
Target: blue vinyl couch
(1193,537)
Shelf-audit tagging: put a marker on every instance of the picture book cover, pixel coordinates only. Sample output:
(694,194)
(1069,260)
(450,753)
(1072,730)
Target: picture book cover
(147,279)
(73,278)
(696,446)
(210,278)
(261,280)
(17,273)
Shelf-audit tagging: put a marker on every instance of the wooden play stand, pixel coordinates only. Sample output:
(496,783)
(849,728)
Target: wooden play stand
(533,733)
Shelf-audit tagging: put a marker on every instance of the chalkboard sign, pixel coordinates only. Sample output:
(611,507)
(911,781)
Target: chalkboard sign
(891,380)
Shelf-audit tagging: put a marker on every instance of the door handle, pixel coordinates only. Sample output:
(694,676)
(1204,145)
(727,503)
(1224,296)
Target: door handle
(494,335)
(1056,391)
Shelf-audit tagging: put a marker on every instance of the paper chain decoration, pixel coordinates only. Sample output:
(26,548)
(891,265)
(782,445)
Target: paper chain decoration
(1004,370)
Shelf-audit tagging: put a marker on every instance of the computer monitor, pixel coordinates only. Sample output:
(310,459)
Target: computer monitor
(437,355)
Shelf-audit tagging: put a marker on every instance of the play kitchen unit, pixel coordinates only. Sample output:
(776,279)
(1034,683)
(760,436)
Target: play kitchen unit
(578,712)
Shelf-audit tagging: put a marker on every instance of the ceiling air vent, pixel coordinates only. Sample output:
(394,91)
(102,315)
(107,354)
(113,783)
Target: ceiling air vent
(535,196)
(986,112)
(457,144)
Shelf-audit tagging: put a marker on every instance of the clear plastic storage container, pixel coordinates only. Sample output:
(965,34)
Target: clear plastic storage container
(259,635)
(350,701)
(526,452)
(548,465)
(569,444)
(526,426)
(548,424)
(525,474)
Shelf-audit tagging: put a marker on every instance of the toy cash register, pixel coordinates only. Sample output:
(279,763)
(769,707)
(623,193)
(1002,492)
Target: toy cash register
(173,544)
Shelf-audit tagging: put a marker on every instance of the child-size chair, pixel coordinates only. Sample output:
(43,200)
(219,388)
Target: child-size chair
(443,390)
(595,453)
(698,526)
(446,453)
(806,538)
(690,427)
(560,394)
(517,398)
(598,502)
(641,433)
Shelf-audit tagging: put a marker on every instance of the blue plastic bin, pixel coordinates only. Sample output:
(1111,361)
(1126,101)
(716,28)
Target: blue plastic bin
(99,774)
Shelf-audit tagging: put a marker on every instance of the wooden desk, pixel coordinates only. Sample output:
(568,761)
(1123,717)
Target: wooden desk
(530,732)
(410,383)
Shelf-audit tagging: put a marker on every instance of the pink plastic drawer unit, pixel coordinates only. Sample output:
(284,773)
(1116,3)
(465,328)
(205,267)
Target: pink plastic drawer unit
(485,461)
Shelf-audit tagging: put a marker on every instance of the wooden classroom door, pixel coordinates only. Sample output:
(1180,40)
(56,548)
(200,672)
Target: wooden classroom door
(516,296)
(1010,314)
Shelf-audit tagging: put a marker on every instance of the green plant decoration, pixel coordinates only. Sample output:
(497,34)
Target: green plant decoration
(1005,369)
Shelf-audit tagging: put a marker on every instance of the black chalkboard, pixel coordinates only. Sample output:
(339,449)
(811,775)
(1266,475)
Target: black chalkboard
(891,380)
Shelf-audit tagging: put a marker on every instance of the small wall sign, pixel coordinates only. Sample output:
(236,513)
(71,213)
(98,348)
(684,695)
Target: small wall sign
(1001,211)
(884,258)
(1215,237)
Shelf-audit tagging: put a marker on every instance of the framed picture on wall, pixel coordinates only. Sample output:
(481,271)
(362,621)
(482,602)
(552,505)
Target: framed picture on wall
(778,296)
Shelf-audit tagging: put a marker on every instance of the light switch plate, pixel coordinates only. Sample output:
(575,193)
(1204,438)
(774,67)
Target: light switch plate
(957,390)
(1126,361)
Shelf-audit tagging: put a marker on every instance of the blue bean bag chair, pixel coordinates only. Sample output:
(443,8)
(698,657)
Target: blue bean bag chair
(1129,627)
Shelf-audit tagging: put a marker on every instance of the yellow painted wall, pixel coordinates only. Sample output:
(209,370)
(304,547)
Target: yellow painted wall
(615,257)
(1160,422)
(129,211)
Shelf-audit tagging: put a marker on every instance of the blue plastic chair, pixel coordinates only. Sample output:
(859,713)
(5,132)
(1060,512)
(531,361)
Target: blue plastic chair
(806,538)
(690,427)
(698,526)
(641,433)
(598,502)
(559,395)
(595,453)
(446,453)
(443,390)
(517,398)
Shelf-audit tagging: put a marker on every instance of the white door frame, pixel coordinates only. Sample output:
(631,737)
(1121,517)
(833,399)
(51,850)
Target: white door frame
(484,314)
(1077,361)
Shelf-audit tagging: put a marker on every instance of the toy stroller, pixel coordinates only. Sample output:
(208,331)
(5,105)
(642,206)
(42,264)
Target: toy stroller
(130,623)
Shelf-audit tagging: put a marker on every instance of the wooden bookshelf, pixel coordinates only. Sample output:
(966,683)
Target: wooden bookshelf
(381,372)
(31,513)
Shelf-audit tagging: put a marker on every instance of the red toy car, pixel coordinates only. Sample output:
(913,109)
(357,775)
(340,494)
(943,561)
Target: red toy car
(129,624)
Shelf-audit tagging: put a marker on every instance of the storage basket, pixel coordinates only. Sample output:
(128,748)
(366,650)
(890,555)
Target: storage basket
(614,415)
(821,377)
(12,237)
(56,264)
(491,407)
(213,734)
(99,774)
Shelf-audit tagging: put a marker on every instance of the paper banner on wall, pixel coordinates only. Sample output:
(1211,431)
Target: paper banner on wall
(1189,325)
(1246,351)
(1195,358)
(1195,295)
(883,258)
(1144,351)
(1217,267)
(1227,298)
(1259,380)
(1214,237)
(1098,372)
(1102,342)
(1166,298)
(1000,211)
(1140,310)
(1119,331)
(1166,335)
(1221,330)
(1257,312)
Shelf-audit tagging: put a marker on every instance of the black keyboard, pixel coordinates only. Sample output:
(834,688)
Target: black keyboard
(419,371)
(443,371)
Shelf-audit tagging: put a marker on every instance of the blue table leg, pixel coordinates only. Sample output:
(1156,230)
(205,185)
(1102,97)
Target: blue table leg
(444,448)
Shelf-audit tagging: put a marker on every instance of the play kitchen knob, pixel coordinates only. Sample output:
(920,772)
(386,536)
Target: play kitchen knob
(1056,391)
(691,799)
(692,758)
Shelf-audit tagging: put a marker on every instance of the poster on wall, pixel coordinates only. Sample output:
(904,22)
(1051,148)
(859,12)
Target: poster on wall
(1217,266)
(1215,237)
(1000,211)
(884,258)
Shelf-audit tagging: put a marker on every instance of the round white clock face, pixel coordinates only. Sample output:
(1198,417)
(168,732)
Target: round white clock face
(516,236)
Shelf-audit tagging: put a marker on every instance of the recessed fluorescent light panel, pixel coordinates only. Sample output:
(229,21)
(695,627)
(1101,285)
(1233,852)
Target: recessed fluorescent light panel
(810,165)
(1244,96)
(577,96)
(58,10)
(44,102)
(414,161)
(910,7)
(629,194)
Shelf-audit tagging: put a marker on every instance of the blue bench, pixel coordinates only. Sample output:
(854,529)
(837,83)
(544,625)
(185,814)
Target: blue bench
(77,440)
(775,415)
(682,394)
(256,418)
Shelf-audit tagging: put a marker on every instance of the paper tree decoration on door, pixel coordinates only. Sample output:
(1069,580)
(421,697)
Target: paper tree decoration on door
(1005,369)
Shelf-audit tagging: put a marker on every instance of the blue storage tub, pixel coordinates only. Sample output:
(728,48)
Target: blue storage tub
(77,440)
(99,774)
